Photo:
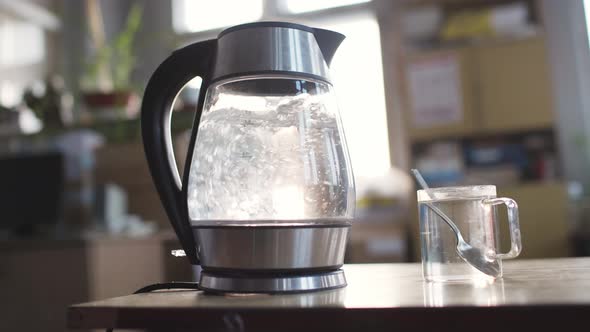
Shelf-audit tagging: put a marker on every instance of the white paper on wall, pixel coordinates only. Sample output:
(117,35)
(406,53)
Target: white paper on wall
(434,86)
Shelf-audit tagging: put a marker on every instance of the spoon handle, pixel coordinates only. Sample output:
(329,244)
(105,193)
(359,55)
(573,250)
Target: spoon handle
(447,220)
(436,210)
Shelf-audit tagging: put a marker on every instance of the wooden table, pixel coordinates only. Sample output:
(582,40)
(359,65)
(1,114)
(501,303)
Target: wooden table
(551,294)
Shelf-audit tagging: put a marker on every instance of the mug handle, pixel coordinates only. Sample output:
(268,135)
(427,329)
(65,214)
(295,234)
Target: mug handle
(515,239)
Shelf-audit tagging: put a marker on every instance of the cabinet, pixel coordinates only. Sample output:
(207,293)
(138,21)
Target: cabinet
(41,277)
(504,87)
(513,86)
(543,219)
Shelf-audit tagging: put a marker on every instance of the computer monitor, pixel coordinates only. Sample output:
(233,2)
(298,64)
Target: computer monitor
(31,191)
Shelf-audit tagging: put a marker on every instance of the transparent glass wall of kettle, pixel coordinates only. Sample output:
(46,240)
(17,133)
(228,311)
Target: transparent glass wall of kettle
(270,150)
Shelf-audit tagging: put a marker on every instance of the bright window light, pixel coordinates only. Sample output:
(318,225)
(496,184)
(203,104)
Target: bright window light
(21,43)
(303,6)
(288,202)
(587,16)
(201,15)
(357,74)
(10,93)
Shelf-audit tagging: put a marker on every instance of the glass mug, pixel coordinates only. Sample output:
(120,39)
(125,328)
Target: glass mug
(473,210)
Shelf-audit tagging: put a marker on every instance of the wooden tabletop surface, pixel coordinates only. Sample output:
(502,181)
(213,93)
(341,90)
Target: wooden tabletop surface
(542,294)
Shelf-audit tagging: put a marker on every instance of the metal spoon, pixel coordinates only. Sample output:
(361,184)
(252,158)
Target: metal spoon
(473,256)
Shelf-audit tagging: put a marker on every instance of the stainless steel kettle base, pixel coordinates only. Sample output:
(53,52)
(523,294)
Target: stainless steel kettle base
(225,283)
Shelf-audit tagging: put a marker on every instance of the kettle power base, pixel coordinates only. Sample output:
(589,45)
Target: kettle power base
(273,284)
(272,258)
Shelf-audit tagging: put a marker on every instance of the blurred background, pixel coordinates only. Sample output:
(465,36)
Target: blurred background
(468,91)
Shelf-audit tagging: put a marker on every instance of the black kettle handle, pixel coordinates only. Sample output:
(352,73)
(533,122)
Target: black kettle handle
(156,111)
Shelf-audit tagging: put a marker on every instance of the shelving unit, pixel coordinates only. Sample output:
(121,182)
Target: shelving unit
(486,88)
(500,98)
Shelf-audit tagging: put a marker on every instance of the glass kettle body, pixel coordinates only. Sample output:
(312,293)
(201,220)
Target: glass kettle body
(270,150)
(268,183)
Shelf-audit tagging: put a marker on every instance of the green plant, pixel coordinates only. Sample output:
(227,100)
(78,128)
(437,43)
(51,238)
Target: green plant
(114,60)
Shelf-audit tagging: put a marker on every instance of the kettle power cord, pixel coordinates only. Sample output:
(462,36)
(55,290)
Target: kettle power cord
(163,286)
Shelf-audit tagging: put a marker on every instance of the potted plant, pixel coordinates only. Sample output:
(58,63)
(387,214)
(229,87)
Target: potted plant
(107,90)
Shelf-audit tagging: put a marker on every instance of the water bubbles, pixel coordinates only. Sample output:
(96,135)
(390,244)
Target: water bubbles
(283,161)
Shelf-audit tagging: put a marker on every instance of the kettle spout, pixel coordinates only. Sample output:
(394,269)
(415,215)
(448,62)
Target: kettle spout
(328,41)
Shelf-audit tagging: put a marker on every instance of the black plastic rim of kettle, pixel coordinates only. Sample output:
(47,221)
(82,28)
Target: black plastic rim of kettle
(266,24)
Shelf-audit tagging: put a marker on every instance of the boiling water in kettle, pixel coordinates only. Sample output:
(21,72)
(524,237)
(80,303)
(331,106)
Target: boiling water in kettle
(273,160)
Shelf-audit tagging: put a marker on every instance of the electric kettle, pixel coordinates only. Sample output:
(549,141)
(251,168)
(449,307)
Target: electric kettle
(267,195)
